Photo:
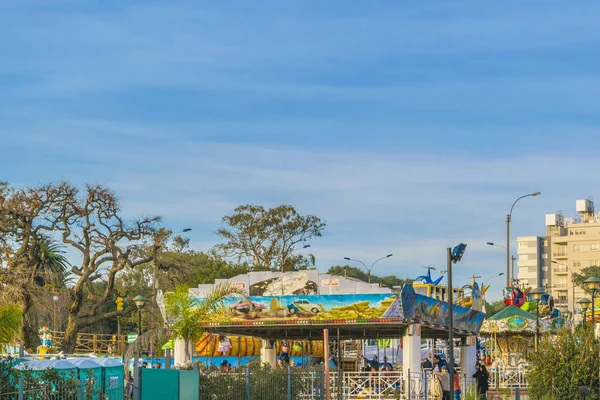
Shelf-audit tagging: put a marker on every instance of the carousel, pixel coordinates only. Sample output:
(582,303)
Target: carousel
(511,334)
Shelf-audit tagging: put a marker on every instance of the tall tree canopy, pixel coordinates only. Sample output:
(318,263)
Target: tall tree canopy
(354,272)
(579,278)
(266,238)
(89,223)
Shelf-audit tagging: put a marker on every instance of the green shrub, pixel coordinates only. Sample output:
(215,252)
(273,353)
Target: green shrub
(563,363)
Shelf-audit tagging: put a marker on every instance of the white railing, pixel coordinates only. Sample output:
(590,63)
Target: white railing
(372,385)
(507,378)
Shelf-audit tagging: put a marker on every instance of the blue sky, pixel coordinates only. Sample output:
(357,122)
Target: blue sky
(407,127)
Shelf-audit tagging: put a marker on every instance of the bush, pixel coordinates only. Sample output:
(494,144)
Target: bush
(563,363)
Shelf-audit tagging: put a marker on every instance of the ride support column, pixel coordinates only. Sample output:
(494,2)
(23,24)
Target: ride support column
(411,355)
(468,357)
(268,352)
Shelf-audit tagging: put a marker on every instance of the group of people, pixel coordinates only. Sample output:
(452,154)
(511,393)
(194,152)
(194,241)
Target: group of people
(440,369)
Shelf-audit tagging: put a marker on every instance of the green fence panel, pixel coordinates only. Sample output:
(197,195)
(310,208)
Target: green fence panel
(160,384)
(188,385)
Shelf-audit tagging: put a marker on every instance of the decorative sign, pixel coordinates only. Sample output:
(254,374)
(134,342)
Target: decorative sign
(330,282)
(238,285)
(113,382)
(516,323)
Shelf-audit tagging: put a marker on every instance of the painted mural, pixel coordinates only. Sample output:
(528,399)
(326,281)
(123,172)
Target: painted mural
(350,307)
(318,307)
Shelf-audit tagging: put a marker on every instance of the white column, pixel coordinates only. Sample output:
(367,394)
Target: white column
(468,357)
(411,351)
(179,351)
(268,354)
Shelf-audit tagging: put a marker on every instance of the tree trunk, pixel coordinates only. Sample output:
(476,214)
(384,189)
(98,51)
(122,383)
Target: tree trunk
(68,346)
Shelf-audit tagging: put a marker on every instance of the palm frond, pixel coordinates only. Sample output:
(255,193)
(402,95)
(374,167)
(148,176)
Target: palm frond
(11,321)
(213,303)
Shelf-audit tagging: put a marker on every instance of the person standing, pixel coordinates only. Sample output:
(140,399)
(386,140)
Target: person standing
(426,364)
(283,360)
(481,376)
(456,385)
(444,378)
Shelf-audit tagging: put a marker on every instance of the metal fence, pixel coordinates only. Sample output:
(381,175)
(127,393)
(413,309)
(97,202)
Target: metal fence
(43,390)
(293,384)
(247,384)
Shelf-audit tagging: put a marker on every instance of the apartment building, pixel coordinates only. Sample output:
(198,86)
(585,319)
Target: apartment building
(570,245)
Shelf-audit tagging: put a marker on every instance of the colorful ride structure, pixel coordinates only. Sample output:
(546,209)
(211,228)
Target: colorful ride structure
(516,295)
(214,345)
(426,279)
(46,346)
(470,296)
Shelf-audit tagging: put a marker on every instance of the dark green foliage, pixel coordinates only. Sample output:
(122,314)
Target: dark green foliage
(579,278)
(563,363)
(494,308)
(267,238)
(353,272)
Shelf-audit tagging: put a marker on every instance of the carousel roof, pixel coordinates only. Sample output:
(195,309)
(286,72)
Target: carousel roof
(511,311)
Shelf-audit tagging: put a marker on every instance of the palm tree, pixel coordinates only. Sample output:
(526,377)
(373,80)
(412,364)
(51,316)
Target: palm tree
(11,321)
(189,315)
(50,261)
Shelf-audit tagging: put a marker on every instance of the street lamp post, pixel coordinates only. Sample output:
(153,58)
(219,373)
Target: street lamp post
(140,302)
(508,218)
(453,256)
(284,258)
(367,268)
(584,304)
(593,283)
(512,258)
(537,296)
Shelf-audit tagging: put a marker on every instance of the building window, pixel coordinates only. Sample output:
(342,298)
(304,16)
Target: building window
(576,247)
(576,264)
(595,246)
(523,244)
(545,243)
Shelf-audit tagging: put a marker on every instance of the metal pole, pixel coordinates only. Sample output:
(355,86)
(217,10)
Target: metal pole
(139,329)
(593,314)
(54,320)
(512,259)
(119,345)
(339,365)
(289,383)
(450,324)
(507,250)
(326,362)
(537,325)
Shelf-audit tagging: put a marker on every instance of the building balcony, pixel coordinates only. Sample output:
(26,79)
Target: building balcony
(560,270)
(560,254)
(561,286)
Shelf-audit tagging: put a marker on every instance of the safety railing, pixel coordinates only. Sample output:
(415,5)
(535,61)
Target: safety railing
(501,378)
(95,343)
(372,385)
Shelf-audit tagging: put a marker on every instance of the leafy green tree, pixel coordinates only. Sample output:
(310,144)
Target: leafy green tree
(563,363)
(353,272)
(494,307)
(90,223)
(188,316)
(11,321)
(579,278)
(266,238)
